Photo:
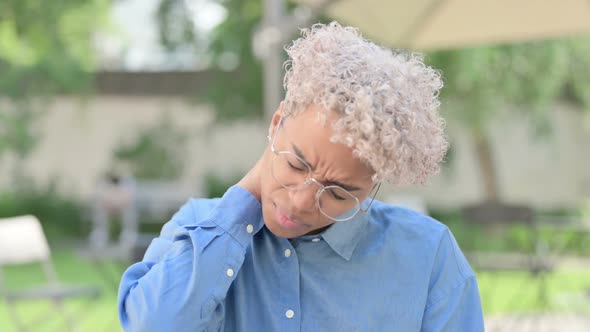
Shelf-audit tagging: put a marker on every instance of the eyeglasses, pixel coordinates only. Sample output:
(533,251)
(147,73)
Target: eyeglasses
(293,173)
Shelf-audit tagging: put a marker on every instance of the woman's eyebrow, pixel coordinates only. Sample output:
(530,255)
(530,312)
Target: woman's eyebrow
(344,186)
(300,155)
(335,183)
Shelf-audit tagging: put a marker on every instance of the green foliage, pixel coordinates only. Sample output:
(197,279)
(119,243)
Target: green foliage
(526,77)
(515,238)
(241,96)
(59,214)
(216,185)
(585,210)
(579,83)
(531,76)
(157,153)
(45,48)
(17,133)
(235,96)
(520,292)
(176,29)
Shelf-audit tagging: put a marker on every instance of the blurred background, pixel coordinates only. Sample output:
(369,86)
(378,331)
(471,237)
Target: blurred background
(114,112)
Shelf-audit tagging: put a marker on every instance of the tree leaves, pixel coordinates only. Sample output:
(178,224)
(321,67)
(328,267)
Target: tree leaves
(531,76)
(46,47)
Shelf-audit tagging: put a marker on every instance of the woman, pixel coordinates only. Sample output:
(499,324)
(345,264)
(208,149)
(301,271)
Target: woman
(300,243)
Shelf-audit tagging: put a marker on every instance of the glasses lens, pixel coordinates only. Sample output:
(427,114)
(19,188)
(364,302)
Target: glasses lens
(337,203)
(289,170)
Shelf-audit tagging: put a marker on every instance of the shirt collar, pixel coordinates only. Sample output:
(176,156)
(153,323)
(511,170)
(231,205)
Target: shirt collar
(343,236)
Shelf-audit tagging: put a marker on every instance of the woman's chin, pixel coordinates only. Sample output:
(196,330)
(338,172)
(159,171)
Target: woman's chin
(280,225)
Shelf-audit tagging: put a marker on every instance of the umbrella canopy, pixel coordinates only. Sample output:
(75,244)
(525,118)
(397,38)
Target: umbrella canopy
(443,24)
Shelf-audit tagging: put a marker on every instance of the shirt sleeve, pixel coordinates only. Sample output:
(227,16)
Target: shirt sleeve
(182,282)
(453,301)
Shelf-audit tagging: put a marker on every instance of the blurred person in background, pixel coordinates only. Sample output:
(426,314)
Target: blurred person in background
(115,199)
(300,243)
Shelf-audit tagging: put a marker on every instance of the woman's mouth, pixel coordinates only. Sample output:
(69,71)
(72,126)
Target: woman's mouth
(288,221)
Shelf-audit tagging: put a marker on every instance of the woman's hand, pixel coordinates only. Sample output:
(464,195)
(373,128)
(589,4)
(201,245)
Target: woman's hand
(251,181)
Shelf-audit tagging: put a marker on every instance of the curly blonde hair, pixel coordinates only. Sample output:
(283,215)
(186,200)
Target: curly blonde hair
(387,101)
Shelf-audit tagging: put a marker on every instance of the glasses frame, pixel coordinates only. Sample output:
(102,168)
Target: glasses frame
(310,179)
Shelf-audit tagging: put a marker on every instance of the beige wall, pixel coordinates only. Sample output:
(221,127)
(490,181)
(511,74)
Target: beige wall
(548,171)
(78,139)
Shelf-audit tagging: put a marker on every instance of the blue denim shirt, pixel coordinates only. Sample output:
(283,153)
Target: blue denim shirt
(216,267)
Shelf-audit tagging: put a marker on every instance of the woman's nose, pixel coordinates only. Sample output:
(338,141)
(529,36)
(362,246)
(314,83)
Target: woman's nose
(304,200)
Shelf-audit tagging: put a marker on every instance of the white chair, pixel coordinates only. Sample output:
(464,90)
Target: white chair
(22,241)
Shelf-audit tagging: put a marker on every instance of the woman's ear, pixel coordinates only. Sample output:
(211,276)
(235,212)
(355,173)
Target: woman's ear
(276,118)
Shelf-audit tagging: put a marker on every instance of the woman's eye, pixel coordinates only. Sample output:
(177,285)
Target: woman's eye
(298,169)
(336,196)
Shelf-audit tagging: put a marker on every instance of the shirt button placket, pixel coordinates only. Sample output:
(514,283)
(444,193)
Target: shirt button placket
(290,292)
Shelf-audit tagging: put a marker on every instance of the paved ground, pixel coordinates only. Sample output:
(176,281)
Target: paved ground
(550,322)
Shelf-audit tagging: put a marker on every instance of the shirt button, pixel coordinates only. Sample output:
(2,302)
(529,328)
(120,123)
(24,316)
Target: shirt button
(289,313)
(229,272)
(287,252)
(317,239)
(249,229)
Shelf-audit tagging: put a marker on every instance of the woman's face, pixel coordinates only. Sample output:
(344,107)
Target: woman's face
(291,213)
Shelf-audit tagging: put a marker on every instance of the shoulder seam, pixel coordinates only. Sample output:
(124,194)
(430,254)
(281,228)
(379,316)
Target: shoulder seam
(451,291)
(464,273)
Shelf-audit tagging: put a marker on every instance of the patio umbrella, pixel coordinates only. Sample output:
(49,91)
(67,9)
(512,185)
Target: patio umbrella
(422,25)
(443,24)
